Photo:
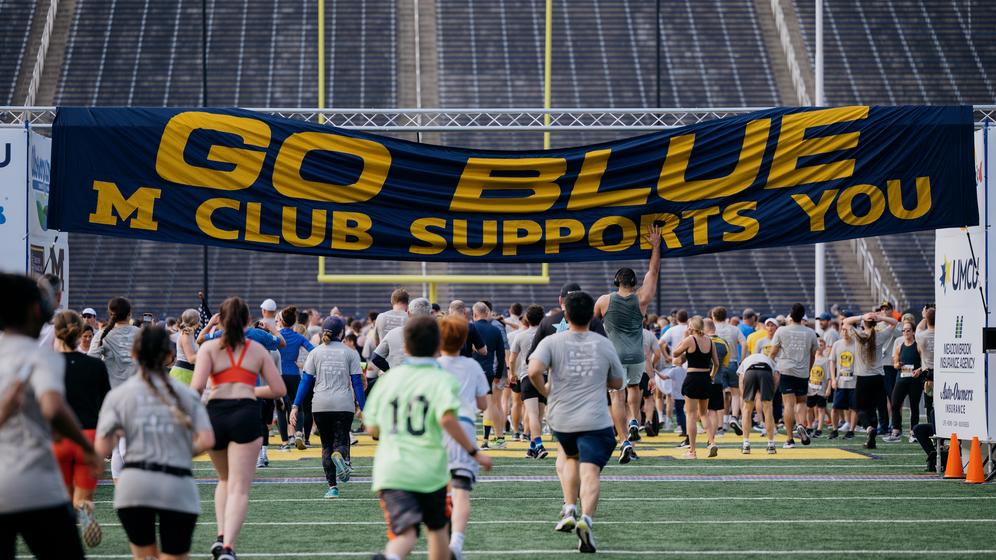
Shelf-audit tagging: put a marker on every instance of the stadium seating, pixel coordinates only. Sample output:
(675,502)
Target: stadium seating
(489,55)
(16,16)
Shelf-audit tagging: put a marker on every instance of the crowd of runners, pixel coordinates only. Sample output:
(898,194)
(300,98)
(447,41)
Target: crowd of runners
(589,376)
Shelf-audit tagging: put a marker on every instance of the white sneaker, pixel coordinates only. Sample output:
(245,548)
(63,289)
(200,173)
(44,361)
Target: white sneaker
(668,425)
(788,445)
(745,449)
(912,439)
(846,427)
(353,439)
(567,521)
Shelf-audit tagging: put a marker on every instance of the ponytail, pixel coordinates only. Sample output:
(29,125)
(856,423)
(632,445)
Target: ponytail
(68,327)
(234,319)
(118,310)
(152,351)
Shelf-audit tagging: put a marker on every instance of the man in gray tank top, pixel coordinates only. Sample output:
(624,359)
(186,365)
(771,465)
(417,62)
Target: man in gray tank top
(622,312)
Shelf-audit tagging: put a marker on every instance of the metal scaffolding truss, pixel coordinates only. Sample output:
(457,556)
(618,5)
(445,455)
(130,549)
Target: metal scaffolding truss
(442,120)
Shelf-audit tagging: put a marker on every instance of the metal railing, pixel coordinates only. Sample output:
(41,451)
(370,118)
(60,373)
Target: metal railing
(802,95)
(441,120)
(872,274)
(36,72)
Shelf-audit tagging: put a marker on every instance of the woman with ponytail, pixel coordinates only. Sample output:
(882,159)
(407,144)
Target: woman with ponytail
(329,370)
(234,365)
(113,344)
(870,383)
(156,485)
(86,387)
(291,373)
(186,346)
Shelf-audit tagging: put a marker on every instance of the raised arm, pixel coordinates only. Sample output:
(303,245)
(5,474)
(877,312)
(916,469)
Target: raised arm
(648,290)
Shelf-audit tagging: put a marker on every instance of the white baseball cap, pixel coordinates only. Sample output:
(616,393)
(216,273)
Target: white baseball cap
(89,311)
(268,305)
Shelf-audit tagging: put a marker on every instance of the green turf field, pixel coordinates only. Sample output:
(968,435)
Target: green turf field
(876,506)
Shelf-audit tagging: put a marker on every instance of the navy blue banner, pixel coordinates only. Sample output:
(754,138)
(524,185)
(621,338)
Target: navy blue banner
(236,178)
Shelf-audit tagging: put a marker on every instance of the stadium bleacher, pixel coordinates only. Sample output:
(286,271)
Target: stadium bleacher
(490,55)
(16,16)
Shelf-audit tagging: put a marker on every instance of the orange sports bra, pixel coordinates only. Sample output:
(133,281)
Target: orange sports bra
(235,373)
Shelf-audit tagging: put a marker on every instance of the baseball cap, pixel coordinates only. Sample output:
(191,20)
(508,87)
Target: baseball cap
(334,326)
(89,311)
(824,316)
(771,320)
(885,304)
(268,305)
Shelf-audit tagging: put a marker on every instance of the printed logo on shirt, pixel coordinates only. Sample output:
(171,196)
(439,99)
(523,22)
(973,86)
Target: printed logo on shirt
(846,362)
(581,358)
(816,375)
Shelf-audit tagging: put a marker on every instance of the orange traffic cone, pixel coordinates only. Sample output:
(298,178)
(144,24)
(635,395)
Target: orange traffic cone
(954,469)
(975,474)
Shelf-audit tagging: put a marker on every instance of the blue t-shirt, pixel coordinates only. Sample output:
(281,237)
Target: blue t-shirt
(492,338)
(746,329)
(289,353)
(269,341)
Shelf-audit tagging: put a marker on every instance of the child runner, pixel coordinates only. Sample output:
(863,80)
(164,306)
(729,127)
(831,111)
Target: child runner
(819,388)
(473,397)
(186,346)
(328,372)
(86,387)
(842,382)
(165,426)
(235,416)
(408,412)
(582,365)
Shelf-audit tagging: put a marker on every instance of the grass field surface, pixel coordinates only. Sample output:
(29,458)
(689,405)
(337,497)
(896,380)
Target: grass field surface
(828,500)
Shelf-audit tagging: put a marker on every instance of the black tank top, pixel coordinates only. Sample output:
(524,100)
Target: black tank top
(698,359)
(909,355)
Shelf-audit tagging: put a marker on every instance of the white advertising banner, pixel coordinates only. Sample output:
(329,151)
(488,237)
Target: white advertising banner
(960,404)
(13,199)
(48,249)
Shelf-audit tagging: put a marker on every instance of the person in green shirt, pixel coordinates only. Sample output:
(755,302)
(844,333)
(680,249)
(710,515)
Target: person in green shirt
(407,413)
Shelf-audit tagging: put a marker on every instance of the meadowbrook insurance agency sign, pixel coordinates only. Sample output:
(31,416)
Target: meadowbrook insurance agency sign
(960,372)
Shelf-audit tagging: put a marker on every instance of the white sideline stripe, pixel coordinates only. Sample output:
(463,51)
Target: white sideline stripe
(599,523)
(642,499)
(550,466)
(678,553)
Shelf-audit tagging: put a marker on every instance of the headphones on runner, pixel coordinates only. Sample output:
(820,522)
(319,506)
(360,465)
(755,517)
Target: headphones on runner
(624,276)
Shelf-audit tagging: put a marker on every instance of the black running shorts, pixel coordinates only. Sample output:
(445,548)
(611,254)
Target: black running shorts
(176,529)
(798,386)
(530,392)
(716,400)
(234,421)
(759,380)
(404,510)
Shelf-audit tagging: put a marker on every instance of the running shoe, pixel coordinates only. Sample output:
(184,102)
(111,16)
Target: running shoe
(92,534)
(227,554)
(332,493)
(713,450)
(517,437)
(834,434)
(892,438)
(911,439)
(650,430)
(870,439)
(217,547)
(737,428)
(531,453)
(684,444)
(634,431)
(567,521)
(456,554)
(260,463)
(626,453)
(720,432)
(541,452)
(586,540)
(817,433)
(485,445)
(343,471)
(788,445)
(745,448)
(499,443)
(299,441)
(849,434)
(803,434)
(668,426)
(633,454)
(285,446)
(845,427)
(689,455)
(771,449)
(759,428)
(353,440)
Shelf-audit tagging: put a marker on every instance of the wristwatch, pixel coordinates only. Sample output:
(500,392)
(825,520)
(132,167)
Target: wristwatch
(473,452)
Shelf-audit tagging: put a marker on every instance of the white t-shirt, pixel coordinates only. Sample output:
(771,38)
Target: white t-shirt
(673,336)
(754,359)
(473,383)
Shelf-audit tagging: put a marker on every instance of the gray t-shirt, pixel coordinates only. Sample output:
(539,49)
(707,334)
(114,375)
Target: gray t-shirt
(473,383)
(842,355)
(888,333)
(29,476)
(883,341)
(153,434)
(521,343)
(580,366)
(925,339)
(388,321)
(116,352)
(392,347)
(830,336)
(733,338)
(332,365)
(797,344)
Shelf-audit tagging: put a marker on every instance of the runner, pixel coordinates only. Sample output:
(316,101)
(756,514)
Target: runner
(652,401)
(86,385)
(113,345)
(533,401)
(327,379)
(393,318)
(519,424)
(870,382)
(907,360)
(672,337)
(623,312)
(925,341)
(473,397)
(794,350)
(842,382)
(555,322)
(33,500)
(186,346)
(157,485)
(391,350)
(758,379)
(234,413)
(291,373)
(703,365)
(408,413)
(581,365)
(717,403)
(493,364)
(736,342)
(819,389)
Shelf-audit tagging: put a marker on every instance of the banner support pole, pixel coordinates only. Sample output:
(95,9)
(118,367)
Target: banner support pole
(820,249)
(547,61)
